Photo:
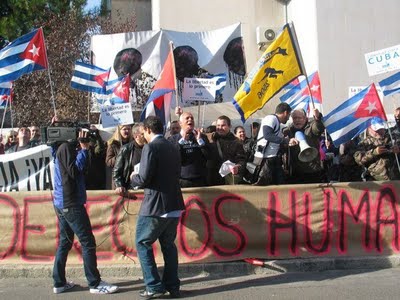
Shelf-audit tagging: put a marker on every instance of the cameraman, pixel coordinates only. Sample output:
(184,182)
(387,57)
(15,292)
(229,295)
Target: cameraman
(69,202)
(96,171)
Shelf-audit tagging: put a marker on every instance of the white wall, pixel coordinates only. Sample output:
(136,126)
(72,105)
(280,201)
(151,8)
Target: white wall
(347,29)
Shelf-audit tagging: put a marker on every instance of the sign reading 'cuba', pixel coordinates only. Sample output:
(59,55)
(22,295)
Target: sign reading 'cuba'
(383,61)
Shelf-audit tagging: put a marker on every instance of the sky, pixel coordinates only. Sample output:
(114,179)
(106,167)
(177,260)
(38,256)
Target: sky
(92,4)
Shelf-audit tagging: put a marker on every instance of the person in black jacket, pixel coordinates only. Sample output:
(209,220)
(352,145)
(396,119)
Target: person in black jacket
(192,147)
(127,158)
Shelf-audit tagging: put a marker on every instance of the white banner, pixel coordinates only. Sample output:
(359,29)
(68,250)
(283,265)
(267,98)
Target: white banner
(116,114)
(383,61)
(197,55)
(27,170)
(199,89)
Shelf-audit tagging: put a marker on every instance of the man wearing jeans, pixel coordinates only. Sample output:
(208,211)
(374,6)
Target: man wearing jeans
(160,210)
(69,203)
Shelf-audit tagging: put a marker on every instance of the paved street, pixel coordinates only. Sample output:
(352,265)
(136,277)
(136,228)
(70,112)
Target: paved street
(358,284)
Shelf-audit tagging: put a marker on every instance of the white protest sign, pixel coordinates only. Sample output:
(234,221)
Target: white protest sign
(383,61)
(117,114)
(353,90)
(27,170)
(199,89)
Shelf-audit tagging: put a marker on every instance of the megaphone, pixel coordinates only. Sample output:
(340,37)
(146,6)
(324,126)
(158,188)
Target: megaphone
(307,153)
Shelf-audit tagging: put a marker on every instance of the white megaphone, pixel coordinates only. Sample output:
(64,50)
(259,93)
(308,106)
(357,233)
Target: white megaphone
(307,153)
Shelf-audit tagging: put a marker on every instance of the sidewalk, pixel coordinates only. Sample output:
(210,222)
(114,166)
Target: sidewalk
(314,264)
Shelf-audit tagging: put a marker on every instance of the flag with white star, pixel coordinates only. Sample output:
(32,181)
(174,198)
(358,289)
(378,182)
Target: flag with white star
(24,55)
(354,115)
(298,95)
(121,90)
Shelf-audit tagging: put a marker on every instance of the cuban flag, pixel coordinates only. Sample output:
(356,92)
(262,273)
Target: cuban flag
(298,95)
(354,115)
(220,83)
(120,92)
(24,55)
(5,93)
(90,78)
(159,102)
(390,85)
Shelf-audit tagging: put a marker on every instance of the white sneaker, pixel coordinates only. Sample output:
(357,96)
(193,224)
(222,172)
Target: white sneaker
(69,285)
(104,288)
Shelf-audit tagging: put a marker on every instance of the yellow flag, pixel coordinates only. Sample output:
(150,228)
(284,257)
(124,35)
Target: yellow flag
(279,65)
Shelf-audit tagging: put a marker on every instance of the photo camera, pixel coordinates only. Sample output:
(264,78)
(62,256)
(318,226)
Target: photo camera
(66,131)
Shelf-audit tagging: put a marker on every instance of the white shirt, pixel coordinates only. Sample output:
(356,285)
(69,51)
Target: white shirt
(273,148)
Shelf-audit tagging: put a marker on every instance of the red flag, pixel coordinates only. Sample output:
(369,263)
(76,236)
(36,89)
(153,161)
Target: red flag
(36,50)
(165,84)
(121,90)
(102,79)
(371,105)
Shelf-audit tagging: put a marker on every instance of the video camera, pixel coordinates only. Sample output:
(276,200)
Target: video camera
(66,131)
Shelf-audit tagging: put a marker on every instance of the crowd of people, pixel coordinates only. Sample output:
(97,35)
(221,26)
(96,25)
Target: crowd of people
(143,156)
(272,154)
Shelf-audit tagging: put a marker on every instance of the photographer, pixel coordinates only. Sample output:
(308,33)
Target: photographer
(191,145)
(69,200)
(377,154)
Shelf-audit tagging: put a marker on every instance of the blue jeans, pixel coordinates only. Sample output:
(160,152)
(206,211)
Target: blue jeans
(148,230)
(75,220)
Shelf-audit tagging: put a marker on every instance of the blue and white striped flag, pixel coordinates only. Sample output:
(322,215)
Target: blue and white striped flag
(90,78)
(220,83)
(391,85)
(354,115)
(5,92)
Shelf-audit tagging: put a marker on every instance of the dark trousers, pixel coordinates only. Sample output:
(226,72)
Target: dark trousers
(148,230)
(271,171)
(75,220)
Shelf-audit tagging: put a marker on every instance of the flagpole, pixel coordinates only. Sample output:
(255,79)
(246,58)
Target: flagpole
(48,72)
(4,116)
(198,113)
(204,111)
(171,48)
(88,109)
(387,124)
(11,115)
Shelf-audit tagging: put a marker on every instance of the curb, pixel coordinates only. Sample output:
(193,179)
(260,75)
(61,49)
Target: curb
(225,269)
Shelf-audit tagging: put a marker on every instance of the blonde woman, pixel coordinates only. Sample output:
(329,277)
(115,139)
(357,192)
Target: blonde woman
(121,136)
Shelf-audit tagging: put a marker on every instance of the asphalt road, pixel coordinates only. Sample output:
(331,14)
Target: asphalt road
(346,284)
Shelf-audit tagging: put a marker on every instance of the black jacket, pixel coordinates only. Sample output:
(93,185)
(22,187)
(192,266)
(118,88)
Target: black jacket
(127,158)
